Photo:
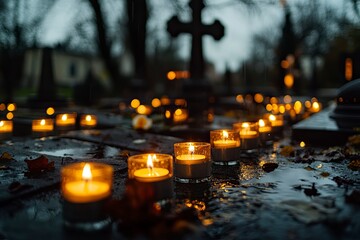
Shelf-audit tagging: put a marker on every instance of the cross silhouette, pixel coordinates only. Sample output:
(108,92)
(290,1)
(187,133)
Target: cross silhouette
(197,29)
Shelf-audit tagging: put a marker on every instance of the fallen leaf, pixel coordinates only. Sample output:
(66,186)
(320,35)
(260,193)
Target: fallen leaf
(6,156)
(354,165)
(39,164)
(325,174)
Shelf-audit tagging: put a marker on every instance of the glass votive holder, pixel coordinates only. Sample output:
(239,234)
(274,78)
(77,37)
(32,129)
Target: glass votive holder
(153,173)
(249,134)
(264,130)
(88,121)
(192,162)
(6,129)
(86,187)
(65,121)
(225,146)
(277,123)
(41,127)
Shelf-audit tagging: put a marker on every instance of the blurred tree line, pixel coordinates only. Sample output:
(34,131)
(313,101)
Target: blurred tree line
(312,36)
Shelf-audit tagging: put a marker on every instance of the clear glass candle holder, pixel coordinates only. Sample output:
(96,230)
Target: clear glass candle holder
(264,130)
(249,134)
(88,121)
(65,120)
(277,123)
(225,146)
(153,173)
(86,187)
(6,129)
(192,162)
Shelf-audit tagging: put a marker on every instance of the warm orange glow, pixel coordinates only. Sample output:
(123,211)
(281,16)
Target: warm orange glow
(289,80)
(288,106)
(142,109)
(302,144)
(180,102)
(282,109)
(2,106)
(316,107)
(165,100)
(268,107)
(272,118)
(308,104)
(284,64)
(167,114)
(297,107)
(178,112)
(9,115)
(239,98)
(273,100)
(171,75)
(225,134)
(261,123)
(50,111)
(135,103)
(348,69)
(156,103)
(64,117)
(11,107)
(259,98)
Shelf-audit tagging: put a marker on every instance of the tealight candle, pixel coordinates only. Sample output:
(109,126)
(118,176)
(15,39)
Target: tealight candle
(248,135)
(225,146)
(6,128)
(153,173)
(43,125)
(277,123)
(88,121)
(66,120)
(192,162)
(264,130)
(85,188)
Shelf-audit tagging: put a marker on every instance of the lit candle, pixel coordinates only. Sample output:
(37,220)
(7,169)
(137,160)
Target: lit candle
(65,120)
(225,142)
(192,162)
(6,126)
(152,173)
(264,130)
(277,123)
(248,135)
(88,120)
(43,125)
(225,146)
(85,188)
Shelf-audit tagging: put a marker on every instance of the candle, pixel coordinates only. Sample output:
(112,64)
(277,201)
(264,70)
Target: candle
(85,188)
(277,123)
(43,125)
(192,162)
(65,120)
(225,146)
(264,130)
(152,173)
(249,135)
(6,126)
(88,120)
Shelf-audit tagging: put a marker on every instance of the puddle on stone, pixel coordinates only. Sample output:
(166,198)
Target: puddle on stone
(92,151)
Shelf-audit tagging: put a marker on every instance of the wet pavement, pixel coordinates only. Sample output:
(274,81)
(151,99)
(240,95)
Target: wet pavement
(272,194)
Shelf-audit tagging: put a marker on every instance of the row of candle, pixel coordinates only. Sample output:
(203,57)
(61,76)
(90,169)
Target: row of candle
(67,120)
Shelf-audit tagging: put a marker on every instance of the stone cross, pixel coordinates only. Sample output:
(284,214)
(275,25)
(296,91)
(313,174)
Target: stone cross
(197,29)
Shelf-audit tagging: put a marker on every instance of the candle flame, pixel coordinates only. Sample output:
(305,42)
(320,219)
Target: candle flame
(272,118)
(1,123)
(261,123)
(150,163)
(64,117)
(245,125)
(88,118)
(86,173)
(302,144)
(191,149)
(42,122)
(225,134)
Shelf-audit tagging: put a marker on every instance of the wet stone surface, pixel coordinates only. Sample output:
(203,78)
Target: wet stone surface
(279,192)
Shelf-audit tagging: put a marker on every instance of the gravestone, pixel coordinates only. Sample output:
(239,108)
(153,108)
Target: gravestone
(335,124)
(197,91)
